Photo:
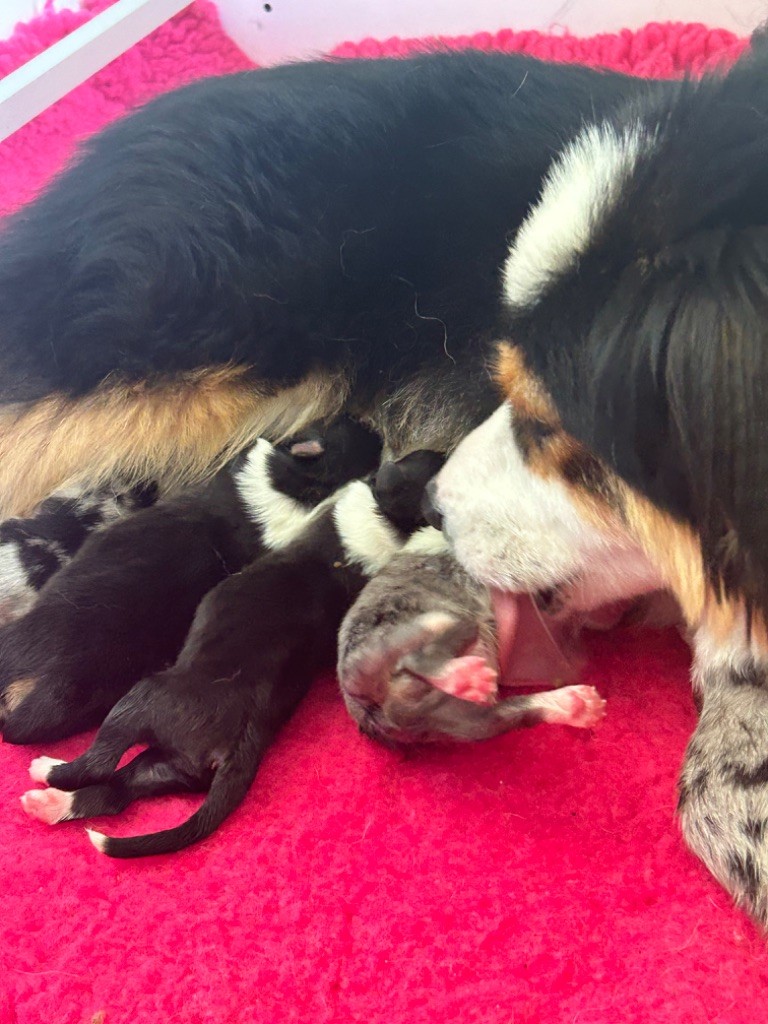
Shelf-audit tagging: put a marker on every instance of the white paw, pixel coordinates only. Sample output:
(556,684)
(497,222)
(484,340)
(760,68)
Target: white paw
(577,706)
(41,767)
(468,678)
(48,805)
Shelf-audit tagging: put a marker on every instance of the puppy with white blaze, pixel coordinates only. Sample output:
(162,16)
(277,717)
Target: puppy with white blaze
(631,451)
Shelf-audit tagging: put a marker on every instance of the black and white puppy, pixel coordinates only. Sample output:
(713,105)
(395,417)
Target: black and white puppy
(33,549)
(122,608)
(257,642)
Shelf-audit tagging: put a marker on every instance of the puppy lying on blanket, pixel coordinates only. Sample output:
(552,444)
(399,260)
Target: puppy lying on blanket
(33,549)
(122,608)
(419,660)
(258,640)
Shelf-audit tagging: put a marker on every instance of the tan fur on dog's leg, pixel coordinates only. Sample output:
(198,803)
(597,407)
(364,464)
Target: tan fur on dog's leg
(176,433)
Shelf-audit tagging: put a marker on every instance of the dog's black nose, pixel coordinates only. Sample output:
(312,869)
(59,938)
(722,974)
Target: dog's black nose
(428,507)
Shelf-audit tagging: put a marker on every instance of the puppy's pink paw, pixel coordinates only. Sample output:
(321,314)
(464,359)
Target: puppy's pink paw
(41,767)
(468,678)
(48,805)
(579,706)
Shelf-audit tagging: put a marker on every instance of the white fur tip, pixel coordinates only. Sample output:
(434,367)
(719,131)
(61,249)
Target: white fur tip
(581,188)
(40,768)
(98,839)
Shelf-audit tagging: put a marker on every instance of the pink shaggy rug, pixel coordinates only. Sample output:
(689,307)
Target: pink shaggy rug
(536,878)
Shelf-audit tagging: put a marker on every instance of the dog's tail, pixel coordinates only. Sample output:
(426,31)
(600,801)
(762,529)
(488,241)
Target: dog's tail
(176,433)
(231,782)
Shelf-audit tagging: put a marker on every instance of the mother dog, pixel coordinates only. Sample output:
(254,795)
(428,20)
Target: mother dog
(631,452)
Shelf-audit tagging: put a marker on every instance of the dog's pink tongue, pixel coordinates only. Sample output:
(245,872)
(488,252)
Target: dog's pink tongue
(531,650)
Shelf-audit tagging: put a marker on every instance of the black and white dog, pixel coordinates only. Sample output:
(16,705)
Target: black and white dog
(253,252)
(633,453)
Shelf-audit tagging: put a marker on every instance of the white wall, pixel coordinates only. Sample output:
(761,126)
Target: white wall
(299,28)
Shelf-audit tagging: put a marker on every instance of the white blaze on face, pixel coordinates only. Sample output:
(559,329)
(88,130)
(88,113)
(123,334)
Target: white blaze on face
(518,531)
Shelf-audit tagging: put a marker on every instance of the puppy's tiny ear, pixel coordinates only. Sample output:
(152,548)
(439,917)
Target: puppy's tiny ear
(307,449)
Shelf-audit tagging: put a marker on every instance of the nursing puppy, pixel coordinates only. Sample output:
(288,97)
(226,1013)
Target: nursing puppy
(419,660)
(252,252)
(33,549)
(122,608)
(257,642)
(633,453)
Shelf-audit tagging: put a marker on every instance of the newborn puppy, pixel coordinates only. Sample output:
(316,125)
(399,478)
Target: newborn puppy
(33,549)
(257,642)
(122,608)
(418,660)
(399,488)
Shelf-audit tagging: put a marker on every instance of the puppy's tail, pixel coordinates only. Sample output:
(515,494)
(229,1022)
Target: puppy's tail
(231,782)
(177,432)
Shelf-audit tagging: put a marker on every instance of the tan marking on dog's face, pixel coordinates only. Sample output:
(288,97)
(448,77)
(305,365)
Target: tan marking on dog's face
(527,395)
(552,453)
(18,691)
(176,432)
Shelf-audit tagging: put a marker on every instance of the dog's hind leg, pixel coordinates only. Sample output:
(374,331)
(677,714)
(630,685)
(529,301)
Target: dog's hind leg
(98,763)
(149,774)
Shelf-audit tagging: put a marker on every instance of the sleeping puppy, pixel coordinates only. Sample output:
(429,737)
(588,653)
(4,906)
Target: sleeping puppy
(257,642)
(33,549)
(633,453)
(419,660)
(256,251)
(122,608)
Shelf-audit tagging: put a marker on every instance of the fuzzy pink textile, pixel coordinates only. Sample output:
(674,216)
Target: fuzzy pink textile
(535,878)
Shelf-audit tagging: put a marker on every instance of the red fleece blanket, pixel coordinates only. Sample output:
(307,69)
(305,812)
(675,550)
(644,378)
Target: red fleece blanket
(538,877)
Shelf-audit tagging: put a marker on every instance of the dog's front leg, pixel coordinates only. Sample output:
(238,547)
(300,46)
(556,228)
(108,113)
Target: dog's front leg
(723,800)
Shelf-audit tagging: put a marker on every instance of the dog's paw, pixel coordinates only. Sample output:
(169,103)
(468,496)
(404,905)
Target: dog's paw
(468,678)
(579,706)
(723,795)
(40,768)
(48,805)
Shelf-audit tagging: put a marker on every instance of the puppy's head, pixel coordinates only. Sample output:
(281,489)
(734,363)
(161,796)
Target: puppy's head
(312,465)
(630,452)
(399,488)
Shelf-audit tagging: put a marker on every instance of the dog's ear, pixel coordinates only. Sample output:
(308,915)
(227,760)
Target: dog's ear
(716,382)
(682,379)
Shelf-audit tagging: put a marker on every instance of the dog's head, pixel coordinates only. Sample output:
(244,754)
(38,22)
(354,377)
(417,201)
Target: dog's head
(631,451)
